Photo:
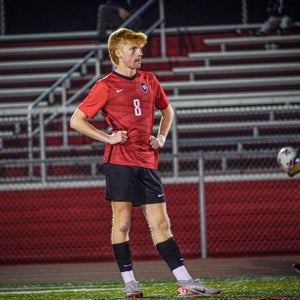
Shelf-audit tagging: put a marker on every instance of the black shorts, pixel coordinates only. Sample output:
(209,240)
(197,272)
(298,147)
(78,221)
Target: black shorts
(133,184)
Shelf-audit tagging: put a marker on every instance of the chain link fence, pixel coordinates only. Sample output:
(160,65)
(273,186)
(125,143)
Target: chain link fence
(225,193)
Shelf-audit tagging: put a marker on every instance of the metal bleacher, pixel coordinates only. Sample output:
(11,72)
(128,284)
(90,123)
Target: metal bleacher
(240,101)
(262,76)
(225,43)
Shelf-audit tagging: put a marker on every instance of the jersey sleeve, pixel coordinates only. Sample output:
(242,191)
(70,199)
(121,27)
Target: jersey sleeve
(95,100)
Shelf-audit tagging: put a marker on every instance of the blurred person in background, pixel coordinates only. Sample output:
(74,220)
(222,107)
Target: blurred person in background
(280,18)
(113,13)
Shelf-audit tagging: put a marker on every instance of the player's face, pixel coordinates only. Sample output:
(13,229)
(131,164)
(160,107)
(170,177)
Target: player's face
(130,56)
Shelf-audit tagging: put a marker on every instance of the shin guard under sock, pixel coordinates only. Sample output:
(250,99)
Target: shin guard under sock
(170,252)
(122,253)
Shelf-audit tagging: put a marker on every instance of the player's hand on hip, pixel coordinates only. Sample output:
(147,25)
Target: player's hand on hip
(155,143)
(119,137)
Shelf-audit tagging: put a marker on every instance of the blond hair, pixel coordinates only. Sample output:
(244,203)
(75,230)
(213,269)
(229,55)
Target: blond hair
(123,36)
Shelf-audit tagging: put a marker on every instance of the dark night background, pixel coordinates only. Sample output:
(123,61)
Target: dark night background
(36,16)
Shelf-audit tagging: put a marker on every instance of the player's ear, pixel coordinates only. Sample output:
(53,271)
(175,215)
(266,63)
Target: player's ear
(118,53)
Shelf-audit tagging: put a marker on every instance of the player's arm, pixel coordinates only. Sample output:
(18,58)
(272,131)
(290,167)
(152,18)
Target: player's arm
(295,169)
(164,128)
(80,123)
(166,121)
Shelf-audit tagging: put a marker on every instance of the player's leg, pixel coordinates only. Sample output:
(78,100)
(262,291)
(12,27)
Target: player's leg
(286,23)
(155,212)
(119,185)
(159,223)
(121,221)
(270,25)
(120,242)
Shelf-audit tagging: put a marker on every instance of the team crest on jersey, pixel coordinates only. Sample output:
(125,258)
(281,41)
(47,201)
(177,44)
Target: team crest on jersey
(144,87)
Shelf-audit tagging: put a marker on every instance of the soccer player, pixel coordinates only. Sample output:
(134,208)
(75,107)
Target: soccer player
(292,171)
(127,98)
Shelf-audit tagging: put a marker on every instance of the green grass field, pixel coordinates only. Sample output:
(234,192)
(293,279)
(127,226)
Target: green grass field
(271,287)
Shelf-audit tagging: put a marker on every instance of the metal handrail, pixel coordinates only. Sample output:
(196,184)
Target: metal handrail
(80,63)
(61,80)
(137,13)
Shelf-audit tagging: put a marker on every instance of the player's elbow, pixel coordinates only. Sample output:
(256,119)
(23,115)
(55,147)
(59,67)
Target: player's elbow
(77,119)
(171,114)
(168,114)
(73,122)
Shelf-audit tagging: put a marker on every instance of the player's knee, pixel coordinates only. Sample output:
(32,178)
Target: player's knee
(123,227)
(163,226)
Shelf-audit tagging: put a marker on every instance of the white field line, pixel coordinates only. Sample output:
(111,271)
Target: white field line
(23,292)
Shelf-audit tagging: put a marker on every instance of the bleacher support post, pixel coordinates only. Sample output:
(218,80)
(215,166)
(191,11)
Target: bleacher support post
(42,148)
(175,146)
(202,208)
(163,46)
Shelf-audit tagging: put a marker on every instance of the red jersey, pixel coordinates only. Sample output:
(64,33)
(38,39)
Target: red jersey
(128,104)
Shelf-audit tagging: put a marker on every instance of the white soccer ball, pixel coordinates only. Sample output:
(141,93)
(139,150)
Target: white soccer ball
(285,157)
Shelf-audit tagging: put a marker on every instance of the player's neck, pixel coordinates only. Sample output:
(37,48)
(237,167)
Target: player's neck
(128,72)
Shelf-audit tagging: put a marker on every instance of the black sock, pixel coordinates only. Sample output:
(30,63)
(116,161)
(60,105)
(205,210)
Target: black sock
(170,252)
(122,253)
